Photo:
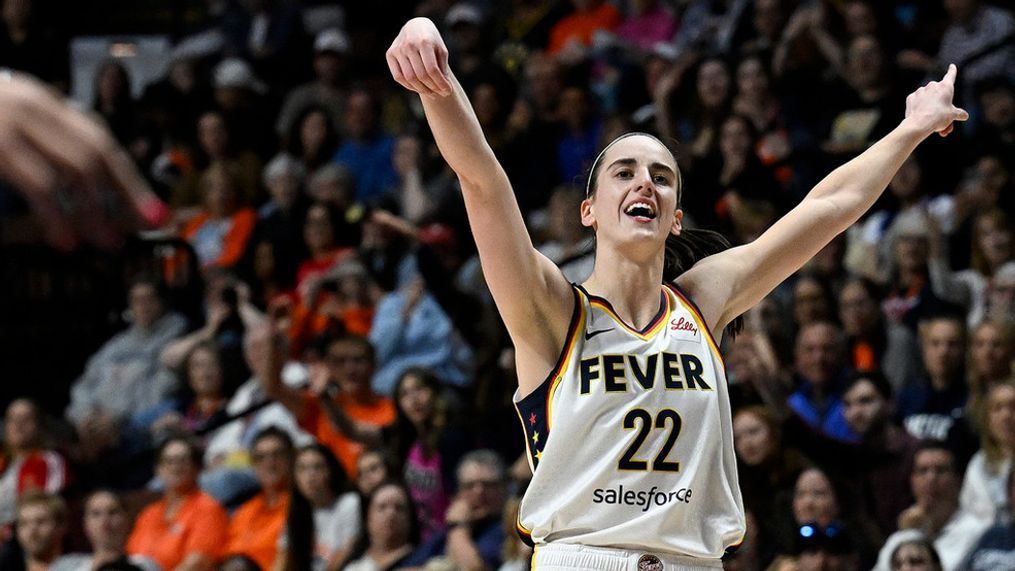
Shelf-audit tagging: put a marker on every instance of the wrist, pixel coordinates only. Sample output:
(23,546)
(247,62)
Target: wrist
(915,128)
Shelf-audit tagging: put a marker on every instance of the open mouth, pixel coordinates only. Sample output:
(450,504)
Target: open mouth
(641,211)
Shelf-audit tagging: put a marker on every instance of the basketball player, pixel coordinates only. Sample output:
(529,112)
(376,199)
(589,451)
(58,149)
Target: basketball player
(622,390)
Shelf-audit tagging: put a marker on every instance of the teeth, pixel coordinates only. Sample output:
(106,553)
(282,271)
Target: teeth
(644,205)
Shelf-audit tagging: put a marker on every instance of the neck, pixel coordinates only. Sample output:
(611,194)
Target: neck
(632,287)
(175,496)
(41,561)
(939,512)
(106,554)
(940,382)
(207,404)
(275,494)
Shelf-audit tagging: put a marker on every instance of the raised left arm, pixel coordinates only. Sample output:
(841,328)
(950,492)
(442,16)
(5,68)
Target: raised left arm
(729,283)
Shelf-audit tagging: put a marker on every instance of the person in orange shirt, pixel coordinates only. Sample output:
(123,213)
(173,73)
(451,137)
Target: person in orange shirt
(341,382)
(257,525)
(578,28)
(185,530)
(219,234)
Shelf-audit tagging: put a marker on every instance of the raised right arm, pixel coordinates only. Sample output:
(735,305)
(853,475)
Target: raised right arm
(532,295)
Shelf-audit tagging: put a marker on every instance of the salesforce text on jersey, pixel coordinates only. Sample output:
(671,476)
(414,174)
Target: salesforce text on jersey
(640,498)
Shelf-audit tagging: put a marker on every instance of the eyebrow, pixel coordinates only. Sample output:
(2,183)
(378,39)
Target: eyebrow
(631,162)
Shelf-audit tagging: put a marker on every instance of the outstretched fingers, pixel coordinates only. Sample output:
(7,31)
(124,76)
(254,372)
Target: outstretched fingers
(950,75)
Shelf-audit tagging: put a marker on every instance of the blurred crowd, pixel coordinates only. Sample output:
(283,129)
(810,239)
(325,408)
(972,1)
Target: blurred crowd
(303,369)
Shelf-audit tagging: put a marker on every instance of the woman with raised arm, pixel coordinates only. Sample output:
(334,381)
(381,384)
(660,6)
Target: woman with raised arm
(622,390)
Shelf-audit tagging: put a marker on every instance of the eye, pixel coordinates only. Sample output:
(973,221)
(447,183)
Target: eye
(660,179)
(625,173)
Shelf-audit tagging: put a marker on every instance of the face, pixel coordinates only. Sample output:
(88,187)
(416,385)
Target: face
(317,230)
(481,488)
(814,499)
(350,365)
(752,438)
(751,79)
(912,557)
(866,410)
(911,252)
(1001,416)
(388,516)
(39,532)
(212,134)
(635,201)
(941,345)
(313,131)
(145,305)
(312,477)
(994,241)
(360,115)
(271,463)
(809,302)
(768,17)
(205,372)
(21,424)
(734,138)
(860,20)
(574,107)
(960,9)
(328,66)
(864,62)
(934,479)
(998,106)
(858,312)
(990,354)
(371,471)
(818,354)
(106,523)
(284,189)
(713,84)
(176,469)
(416,400)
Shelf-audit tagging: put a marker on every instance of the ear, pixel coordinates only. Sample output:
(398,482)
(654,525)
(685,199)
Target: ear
(678,219)
(588,217)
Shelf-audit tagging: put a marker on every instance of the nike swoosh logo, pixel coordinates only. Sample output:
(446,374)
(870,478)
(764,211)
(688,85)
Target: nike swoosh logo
(591,334)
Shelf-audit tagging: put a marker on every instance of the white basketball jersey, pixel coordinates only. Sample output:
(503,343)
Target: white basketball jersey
(630,437)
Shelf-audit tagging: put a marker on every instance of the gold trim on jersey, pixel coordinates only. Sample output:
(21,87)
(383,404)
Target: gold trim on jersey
(569,345)
(693,310)
(650,330)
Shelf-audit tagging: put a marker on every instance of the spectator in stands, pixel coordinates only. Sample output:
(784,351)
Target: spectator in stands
(106,526)
(125,374)
(996,547)
(367,149)
(813,300)
(326,92)
(934,407)
(115,104)
(1001,294)
(568,243)
(313,139)
(648,22)
(257,525)
(228,476)
(243,100)
(389,533)
(411,329)
(983,490)
(200,403)
(993,246)
(42,527)
(328,240)
(911,297)
(996,98)
(342,380)
(868,409)
(936,516)
(374,466)
(218,144)
(186,527)
(474,535)
(27,464)
(219,233)
(915,554)
(991,351)
(572,36)
(820,371)
(324,516)
(768,471)
(874,343)
(277,243)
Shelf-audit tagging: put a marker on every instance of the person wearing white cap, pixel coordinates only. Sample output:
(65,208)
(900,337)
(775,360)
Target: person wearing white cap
(331,52)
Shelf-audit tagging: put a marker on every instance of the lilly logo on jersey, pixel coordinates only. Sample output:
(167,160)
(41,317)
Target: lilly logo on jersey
(684,325)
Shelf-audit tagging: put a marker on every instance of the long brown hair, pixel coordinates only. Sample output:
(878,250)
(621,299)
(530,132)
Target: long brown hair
(682,250)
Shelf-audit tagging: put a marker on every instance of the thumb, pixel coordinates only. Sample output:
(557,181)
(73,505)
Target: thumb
(960,114)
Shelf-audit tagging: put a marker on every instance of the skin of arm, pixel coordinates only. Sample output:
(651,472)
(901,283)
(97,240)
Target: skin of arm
(537,321)
(727,284)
